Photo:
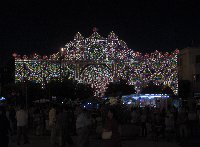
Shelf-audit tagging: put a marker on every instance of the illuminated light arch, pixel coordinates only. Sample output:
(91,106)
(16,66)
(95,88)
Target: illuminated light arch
(95,57)
(100,74)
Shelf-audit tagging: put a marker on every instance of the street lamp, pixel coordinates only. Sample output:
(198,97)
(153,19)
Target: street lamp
(61,58)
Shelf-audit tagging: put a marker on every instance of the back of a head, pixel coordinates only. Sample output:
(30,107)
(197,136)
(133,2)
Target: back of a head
(53,106)
(113,111)
(22,107)
(80,109)
(65,108)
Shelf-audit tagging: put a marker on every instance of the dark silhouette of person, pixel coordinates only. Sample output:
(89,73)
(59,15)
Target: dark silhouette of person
(4,128)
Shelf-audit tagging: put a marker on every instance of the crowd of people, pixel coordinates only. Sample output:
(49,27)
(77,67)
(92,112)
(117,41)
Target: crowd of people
(59,122)
(166,123)
(63,122)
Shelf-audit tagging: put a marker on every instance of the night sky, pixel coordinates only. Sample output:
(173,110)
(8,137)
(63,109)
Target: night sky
(44,27)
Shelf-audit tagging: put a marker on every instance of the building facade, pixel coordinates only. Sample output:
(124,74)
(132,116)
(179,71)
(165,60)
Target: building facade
(189,68)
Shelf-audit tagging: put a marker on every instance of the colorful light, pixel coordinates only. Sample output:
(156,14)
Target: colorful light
(97,61)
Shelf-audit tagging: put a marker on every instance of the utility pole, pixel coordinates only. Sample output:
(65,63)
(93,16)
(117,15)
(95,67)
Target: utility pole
(61,58)
(26,95)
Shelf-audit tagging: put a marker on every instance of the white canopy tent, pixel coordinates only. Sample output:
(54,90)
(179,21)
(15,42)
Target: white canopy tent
(41,101)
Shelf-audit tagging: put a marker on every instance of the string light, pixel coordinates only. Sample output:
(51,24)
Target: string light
(97,61)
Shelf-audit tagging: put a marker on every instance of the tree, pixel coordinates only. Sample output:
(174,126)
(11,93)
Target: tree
(33,91)
(18,92)
(151,88)
(167,90)
(11,91)
(65,89)
(119,88)
(84,91)
(69,89)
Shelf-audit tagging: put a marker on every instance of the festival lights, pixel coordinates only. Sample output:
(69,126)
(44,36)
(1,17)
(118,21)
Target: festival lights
(97,61)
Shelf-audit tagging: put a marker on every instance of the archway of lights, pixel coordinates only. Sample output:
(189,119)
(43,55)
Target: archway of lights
(97,61)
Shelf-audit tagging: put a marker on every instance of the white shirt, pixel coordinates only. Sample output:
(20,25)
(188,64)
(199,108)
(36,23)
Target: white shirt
(82,121)
(52,117)
(22,117)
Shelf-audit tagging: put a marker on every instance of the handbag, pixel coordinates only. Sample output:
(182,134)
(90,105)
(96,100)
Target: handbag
(106,134)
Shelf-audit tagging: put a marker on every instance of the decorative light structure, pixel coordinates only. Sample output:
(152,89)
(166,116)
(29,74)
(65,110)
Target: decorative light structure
(97,61)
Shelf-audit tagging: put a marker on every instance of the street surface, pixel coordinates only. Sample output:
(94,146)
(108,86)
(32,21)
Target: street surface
(44,141)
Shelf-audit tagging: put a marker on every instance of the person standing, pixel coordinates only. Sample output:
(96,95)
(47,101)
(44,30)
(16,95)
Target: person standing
(192,122)
(63,127)
(182,122)
(22,121)
(143,120)
(111,124)
(52,124)
(12,120)
(82,128)
(134,116)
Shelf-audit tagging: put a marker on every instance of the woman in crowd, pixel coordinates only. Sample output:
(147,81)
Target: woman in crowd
(83,123)
(112,125)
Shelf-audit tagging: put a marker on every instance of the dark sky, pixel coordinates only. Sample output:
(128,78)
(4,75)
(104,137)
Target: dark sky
(145,25)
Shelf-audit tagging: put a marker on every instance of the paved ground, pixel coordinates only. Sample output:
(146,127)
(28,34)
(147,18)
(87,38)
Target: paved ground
(43,141)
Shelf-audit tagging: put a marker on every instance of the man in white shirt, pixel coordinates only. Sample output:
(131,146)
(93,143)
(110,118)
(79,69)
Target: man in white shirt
(22,121)
(52,124)
(82,128)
